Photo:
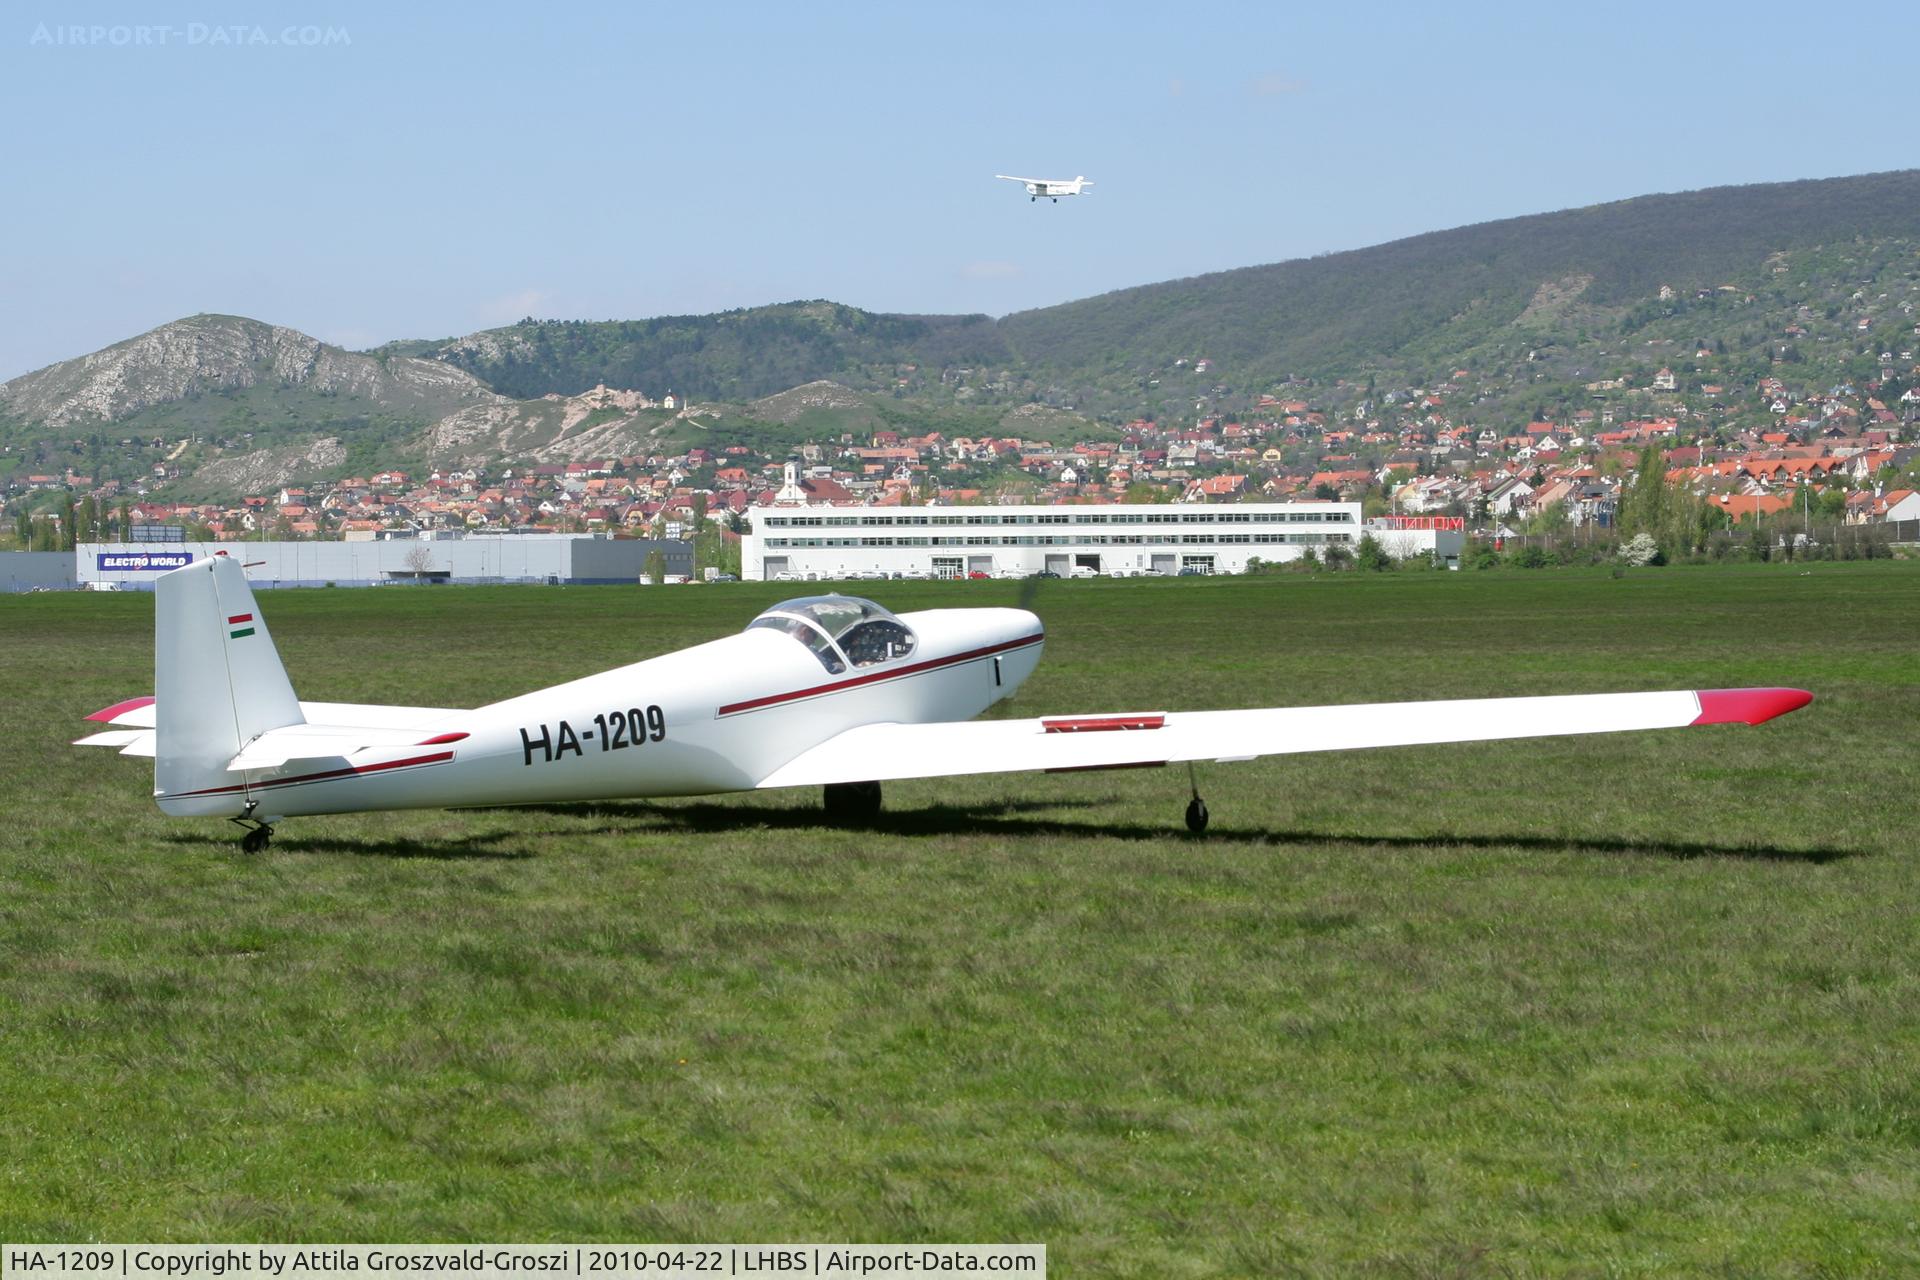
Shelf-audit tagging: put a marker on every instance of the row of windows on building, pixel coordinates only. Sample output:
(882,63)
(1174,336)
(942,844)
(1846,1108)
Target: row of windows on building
(1076,540)
(1137,517)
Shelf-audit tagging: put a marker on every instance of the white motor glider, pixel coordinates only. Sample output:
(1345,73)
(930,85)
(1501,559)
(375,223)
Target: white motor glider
(825,691)
(1049,188)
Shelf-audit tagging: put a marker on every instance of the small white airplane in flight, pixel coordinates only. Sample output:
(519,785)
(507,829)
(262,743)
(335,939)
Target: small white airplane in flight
(1050,188)
(824,691)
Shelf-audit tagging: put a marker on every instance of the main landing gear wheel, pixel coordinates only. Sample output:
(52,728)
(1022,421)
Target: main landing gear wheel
(256,840)
(1196,815)
(853,801)
(1196,807)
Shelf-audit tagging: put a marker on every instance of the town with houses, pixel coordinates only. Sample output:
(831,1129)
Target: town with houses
(1847,453)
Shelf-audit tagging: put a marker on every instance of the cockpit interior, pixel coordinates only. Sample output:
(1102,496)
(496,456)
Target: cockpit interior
(841,631)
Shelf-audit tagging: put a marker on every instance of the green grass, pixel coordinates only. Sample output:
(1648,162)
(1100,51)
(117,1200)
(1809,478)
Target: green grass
(1635,1005)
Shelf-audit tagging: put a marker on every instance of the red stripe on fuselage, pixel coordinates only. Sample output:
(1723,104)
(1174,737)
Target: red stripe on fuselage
(912,669)
(239,617)
(438,757)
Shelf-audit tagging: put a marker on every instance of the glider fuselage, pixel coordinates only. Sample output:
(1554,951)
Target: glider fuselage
(717,717)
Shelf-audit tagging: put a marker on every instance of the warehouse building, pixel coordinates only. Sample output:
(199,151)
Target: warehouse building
(556,559)
(1443,538)
(36,571)
(798,543)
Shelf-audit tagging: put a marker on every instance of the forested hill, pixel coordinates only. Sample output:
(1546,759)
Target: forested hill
(1427,301)
(1447,292)
(734,355)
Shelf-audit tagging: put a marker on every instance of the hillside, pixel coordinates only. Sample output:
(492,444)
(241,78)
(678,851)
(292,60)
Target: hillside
(209,355)
(232,404)
(735,355)
(1430,300)
(1523,318)
(1437,298)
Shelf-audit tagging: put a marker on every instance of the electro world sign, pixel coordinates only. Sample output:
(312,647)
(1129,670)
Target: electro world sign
(142,561)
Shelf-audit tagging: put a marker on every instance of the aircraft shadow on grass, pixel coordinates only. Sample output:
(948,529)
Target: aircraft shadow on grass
(1008,819)
(482,846)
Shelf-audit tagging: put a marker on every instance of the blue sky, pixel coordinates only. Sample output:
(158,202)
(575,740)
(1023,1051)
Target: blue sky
(448,168)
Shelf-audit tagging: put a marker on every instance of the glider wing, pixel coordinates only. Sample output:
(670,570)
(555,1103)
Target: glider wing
(881,752)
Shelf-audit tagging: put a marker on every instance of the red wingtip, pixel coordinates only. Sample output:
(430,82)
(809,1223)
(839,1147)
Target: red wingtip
(1748,706)
(120,709)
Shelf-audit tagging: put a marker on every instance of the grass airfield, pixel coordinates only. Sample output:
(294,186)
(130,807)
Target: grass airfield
(1642,1004)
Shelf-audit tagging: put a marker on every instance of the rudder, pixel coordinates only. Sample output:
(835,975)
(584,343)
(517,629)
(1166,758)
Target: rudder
(218,684)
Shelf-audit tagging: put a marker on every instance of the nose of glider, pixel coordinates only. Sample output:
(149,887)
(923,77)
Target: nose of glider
(1020,650)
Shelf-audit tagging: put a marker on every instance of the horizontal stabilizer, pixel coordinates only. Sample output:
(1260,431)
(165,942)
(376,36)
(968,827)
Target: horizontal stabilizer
(134,711)
(132,742)
(334,730)
(141,713)
(318,742)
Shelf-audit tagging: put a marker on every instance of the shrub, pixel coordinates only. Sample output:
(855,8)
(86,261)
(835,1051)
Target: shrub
(1641,550)
(1371,555)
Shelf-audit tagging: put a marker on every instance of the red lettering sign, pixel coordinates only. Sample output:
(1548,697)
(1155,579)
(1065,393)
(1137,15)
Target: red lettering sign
(1453,524)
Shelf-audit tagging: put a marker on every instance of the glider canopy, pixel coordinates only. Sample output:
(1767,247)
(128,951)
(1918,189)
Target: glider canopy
(841,631)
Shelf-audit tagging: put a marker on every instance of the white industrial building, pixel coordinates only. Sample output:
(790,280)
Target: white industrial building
(797,542)
(1403,537)
(570,559)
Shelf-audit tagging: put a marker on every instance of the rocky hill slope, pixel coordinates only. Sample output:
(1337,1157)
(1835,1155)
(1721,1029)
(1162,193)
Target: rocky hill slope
(209,354)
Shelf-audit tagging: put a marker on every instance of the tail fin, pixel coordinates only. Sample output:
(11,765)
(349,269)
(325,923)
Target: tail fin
(218,684)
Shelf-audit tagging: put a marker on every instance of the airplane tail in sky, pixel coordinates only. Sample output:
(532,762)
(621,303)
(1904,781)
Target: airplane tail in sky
(218,684)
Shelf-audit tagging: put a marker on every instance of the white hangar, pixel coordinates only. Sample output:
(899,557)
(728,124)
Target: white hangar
(801,543)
